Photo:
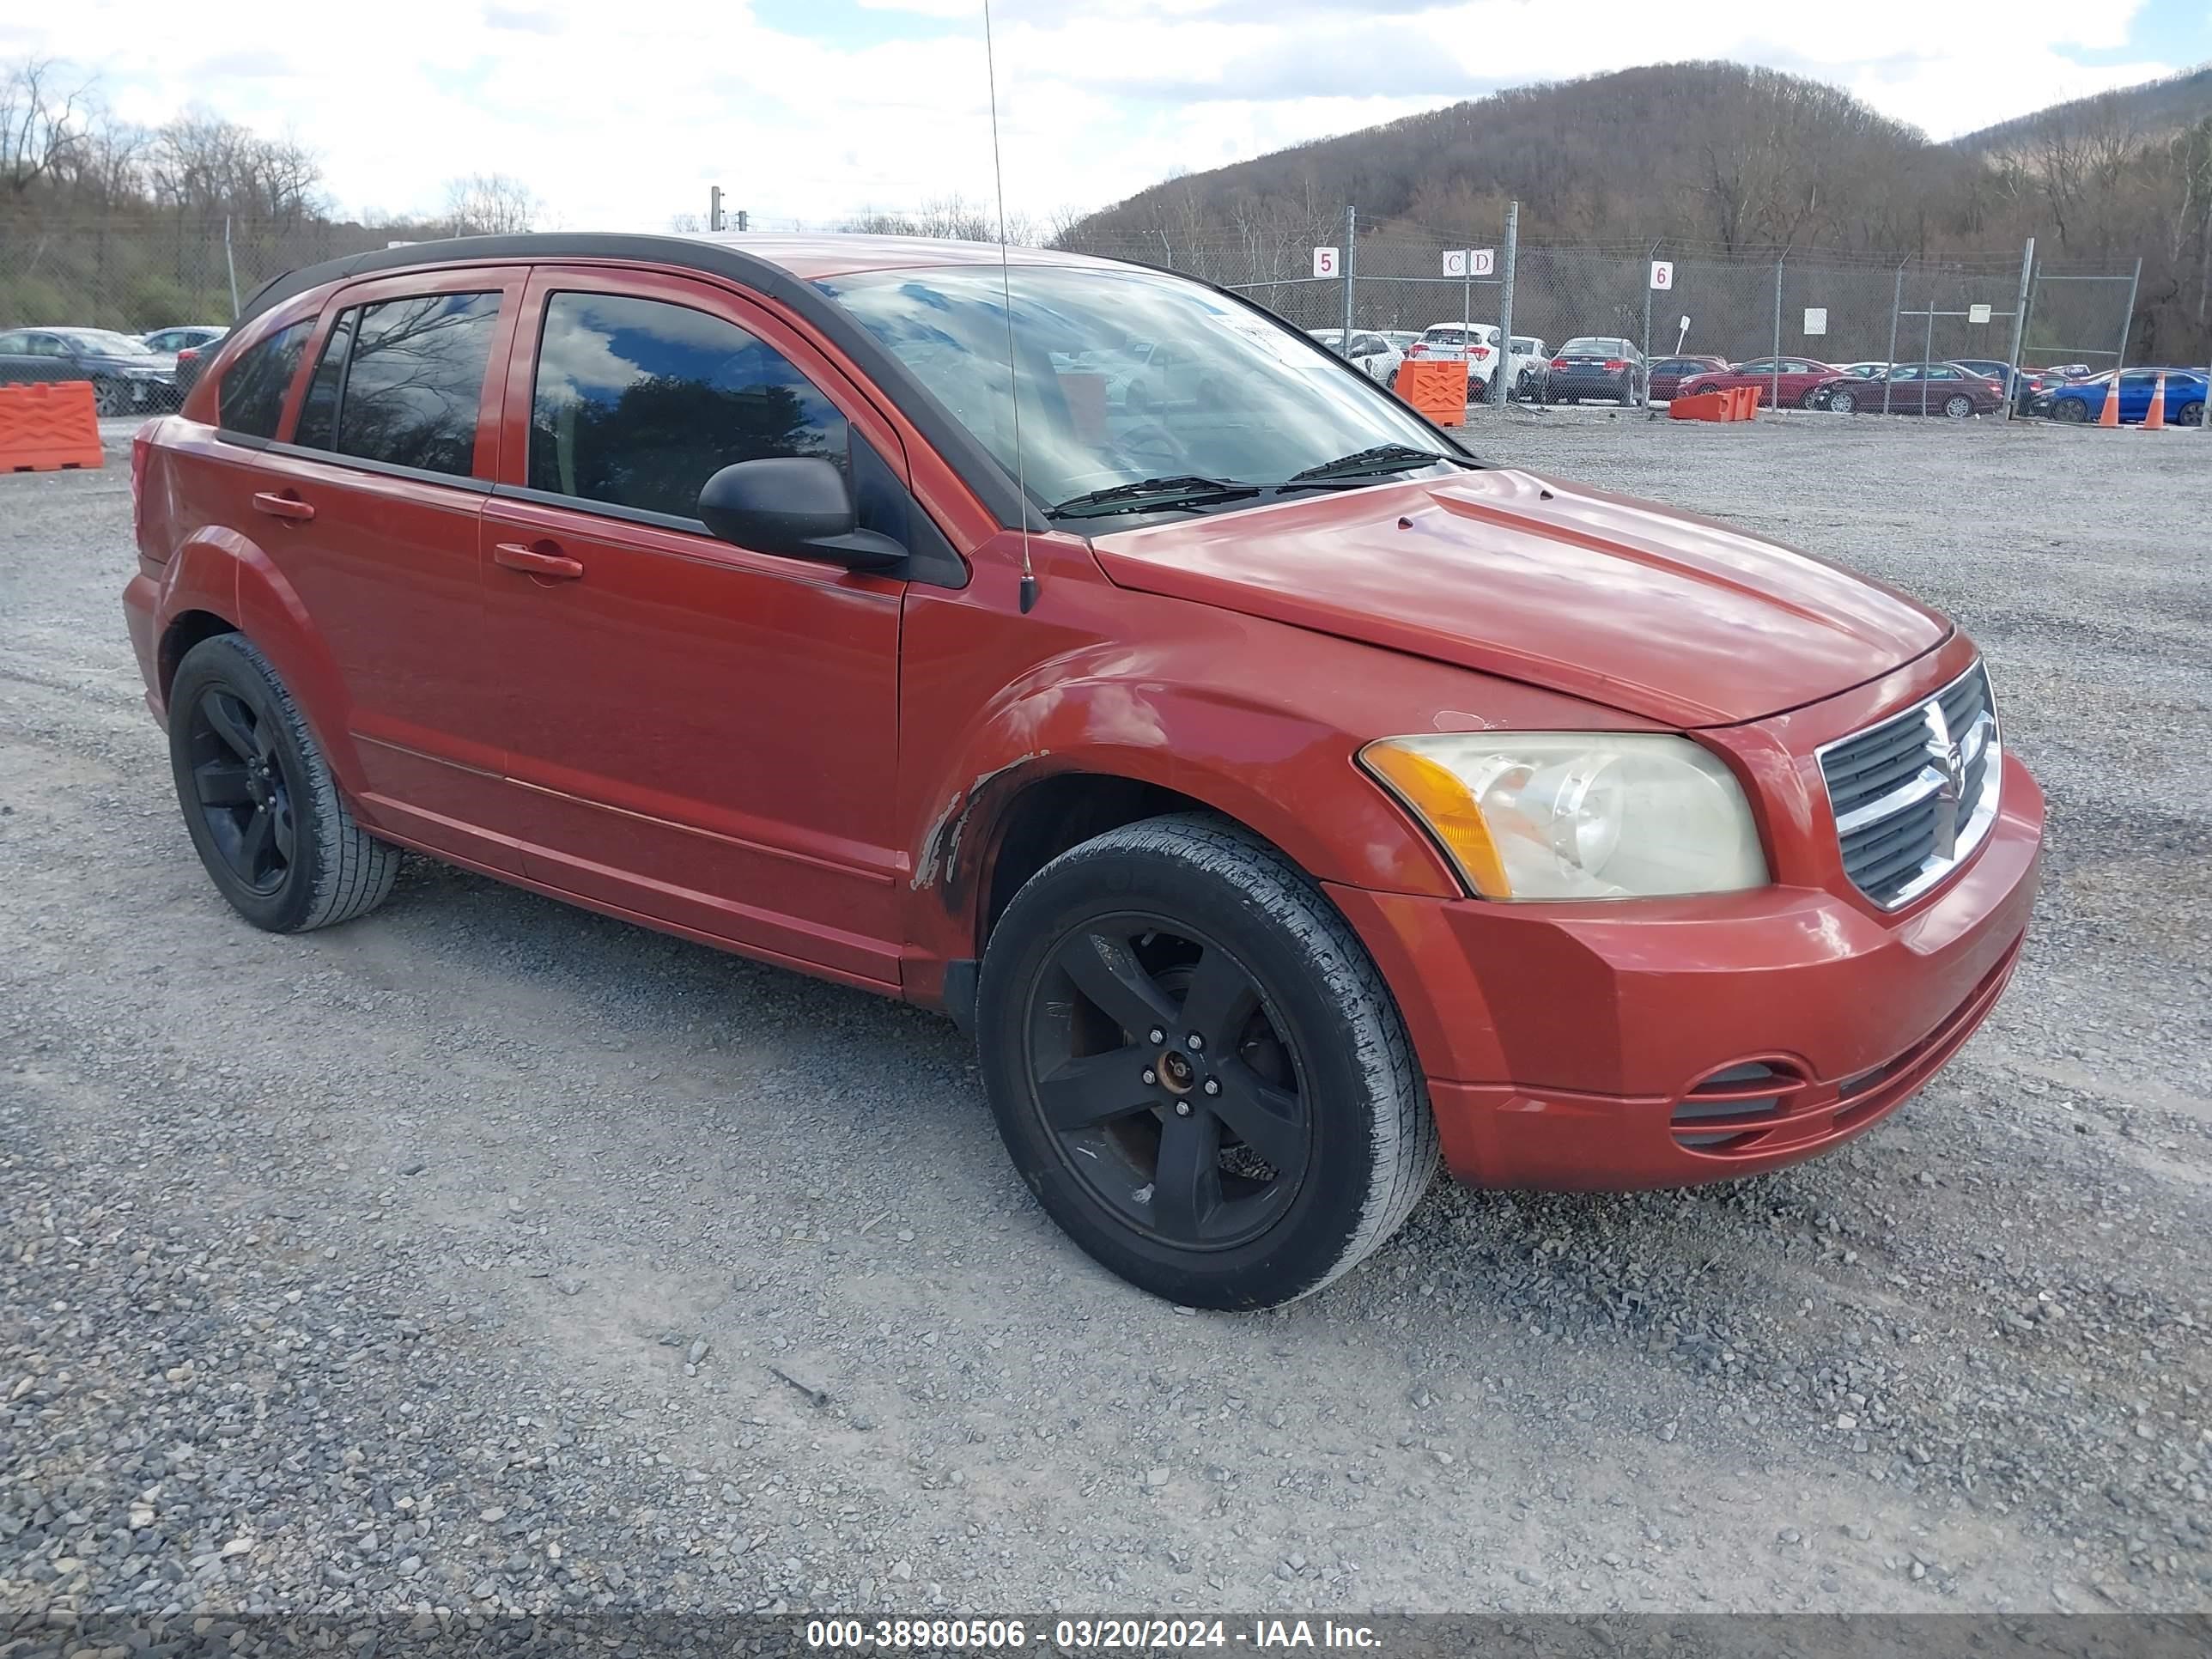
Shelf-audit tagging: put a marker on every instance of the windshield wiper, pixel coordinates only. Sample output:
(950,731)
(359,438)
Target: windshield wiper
(1383,458)
(1153,495)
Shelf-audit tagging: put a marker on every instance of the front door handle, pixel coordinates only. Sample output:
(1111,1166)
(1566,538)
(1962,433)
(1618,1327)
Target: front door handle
(515,556)
(290,508)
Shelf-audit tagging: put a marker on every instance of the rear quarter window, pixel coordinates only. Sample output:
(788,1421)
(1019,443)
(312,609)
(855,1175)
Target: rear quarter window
(251,398)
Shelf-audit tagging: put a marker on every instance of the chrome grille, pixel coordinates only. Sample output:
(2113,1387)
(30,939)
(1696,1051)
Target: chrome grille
(1915,794)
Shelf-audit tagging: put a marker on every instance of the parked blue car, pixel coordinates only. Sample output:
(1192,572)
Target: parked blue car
(2084,400)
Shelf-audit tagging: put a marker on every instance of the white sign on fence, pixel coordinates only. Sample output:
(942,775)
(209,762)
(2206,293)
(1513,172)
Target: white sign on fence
(1816,319)
(1470,261)
(1978,313)
(1455,262)
(1325,262)
(1663,274)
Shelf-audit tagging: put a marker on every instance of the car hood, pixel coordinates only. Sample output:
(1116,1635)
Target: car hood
(160,362)
(1626,603)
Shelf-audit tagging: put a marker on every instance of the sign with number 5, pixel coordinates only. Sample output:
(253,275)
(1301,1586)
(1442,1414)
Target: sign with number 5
(1325,262)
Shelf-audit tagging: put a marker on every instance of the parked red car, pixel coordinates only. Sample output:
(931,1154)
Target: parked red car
(1943,389)
(1669,373)
(1798,377)
(1275,790)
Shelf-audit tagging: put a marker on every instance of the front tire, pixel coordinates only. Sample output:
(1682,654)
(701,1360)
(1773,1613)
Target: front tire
(108,398)
(264,813)
(2072,410)
(1197,1068)
(1842,403)
(1959,406)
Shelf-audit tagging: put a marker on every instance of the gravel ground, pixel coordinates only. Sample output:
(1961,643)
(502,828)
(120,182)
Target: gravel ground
(488,1253)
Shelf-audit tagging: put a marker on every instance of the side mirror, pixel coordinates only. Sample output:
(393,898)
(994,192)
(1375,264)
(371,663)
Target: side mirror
(797,506)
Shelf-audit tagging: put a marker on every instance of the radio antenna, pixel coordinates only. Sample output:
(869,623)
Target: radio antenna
(1006,294)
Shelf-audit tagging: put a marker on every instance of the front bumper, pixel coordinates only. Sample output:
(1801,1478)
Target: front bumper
(1576,1046)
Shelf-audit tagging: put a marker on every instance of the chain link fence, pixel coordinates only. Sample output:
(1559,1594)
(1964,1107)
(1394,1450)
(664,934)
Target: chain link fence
(1671,299)
(148,271)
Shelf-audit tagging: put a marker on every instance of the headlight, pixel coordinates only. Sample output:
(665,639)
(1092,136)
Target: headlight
(1576,815)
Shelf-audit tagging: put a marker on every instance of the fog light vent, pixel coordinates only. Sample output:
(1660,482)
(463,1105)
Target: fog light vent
(1733,1107)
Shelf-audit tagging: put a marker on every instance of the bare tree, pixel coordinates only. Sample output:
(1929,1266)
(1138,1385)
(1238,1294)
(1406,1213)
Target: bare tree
(490,205)
(43,128)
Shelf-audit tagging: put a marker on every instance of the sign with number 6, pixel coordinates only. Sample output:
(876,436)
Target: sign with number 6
(1663,274)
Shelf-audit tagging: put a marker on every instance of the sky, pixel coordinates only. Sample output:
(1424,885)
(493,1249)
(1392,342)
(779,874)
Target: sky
(620,117)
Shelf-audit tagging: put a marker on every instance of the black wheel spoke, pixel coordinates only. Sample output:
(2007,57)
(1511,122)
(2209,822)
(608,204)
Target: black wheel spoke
(1267,1118)
(1096,1088)
(1186,1185)
(1106,971)
(1220,999)
(233,721)
(253,847)
(287,832)
(221,783)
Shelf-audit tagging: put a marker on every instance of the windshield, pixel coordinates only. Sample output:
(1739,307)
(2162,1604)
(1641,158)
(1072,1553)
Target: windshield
(1125,376)
(100,339)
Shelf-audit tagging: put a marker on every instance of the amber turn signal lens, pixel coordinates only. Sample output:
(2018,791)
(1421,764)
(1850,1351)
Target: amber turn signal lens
(1440,799)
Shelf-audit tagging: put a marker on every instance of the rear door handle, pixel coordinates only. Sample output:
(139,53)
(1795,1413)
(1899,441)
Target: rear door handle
(515,556)
(290,508)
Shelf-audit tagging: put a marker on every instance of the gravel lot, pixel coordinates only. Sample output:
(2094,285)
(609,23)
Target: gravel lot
(490,1254)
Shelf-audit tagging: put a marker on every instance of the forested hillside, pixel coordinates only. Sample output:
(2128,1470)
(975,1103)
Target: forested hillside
(1716,157)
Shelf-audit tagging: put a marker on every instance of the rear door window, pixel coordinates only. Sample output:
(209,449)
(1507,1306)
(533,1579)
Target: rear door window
(251,397)
(637,403)
(413,384)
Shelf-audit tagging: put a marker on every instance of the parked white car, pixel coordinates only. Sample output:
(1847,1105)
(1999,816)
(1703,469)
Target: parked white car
(1371,353)
(1528,366)
(1475,343)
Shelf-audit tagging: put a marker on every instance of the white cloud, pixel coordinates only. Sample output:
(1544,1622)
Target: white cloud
(621,119)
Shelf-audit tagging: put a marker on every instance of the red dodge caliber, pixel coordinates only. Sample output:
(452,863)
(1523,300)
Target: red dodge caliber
(1285,797)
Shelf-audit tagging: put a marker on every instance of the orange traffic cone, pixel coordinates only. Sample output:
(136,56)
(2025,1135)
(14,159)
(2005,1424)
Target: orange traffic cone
(2155,420)
(2110,414)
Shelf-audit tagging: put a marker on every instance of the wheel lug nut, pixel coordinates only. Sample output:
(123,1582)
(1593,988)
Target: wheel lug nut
(1150,1075)
(1197,1042)
(1156,1035)
(1213,1086)
(1183,1108)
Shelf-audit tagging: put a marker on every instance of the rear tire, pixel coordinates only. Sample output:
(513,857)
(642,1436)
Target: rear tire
(2190,414)
(1243,1170)
(1958,406)
(264,810)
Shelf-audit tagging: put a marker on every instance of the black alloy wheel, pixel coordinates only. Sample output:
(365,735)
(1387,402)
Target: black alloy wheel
(240,788)
(1196,1067)
(1173,1089)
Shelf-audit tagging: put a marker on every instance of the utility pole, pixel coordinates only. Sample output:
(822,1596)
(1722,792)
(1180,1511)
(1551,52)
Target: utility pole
(714,208)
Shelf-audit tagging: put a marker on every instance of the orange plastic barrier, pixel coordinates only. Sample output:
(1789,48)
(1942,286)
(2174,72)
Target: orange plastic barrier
(2155,417)
(1738,403)
(47,427)
(1437,389)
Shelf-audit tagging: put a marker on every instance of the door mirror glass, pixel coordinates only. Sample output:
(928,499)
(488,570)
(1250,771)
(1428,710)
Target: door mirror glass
(798,506)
